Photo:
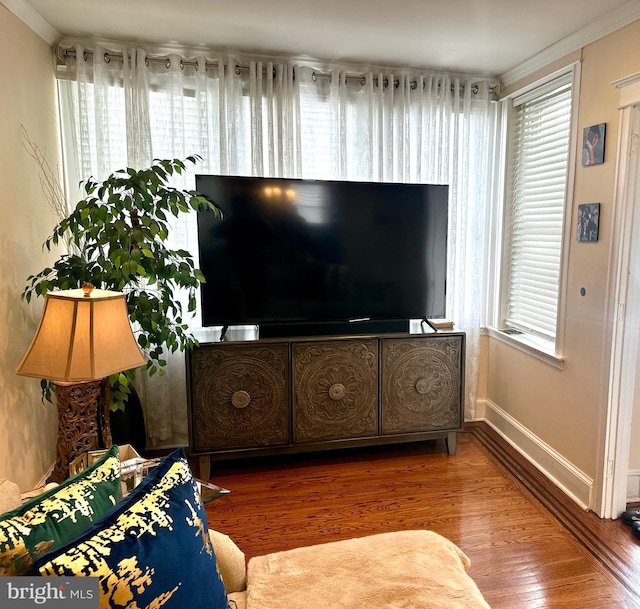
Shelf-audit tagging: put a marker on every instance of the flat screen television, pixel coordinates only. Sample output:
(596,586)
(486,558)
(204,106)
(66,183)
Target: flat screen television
(308,251)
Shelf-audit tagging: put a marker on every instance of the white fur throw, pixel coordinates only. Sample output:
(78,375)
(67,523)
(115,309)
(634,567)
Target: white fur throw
(406,569)
(9,495)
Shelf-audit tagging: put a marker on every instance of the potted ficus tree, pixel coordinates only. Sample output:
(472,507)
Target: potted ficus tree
(116,239)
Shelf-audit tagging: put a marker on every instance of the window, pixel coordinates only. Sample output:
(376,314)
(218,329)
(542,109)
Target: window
(539,127)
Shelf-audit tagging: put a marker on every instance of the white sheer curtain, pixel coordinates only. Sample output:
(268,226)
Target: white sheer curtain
(278,118)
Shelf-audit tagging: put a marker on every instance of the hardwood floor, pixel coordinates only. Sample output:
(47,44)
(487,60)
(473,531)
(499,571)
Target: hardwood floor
(530,546)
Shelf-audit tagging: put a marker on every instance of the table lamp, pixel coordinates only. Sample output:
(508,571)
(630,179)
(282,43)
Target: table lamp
(83,337)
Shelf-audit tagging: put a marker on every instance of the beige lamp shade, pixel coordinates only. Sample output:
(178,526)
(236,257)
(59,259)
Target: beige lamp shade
(83,335)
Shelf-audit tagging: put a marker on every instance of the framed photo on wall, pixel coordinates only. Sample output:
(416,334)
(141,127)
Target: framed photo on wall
(588,222)
(593,145)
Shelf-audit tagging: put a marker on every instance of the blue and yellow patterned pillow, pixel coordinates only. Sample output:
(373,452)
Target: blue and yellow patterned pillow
(152,550)
(56,517)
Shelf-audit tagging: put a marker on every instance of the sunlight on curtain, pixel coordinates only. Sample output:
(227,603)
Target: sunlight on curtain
(282,119)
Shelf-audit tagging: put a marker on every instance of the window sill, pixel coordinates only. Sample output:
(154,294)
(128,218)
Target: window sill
(531,345)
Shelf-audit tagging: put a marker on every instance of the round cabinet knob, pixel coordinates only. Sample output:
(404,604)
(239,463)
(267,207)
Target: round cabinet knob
(422,386)
(240,399)
(336,391)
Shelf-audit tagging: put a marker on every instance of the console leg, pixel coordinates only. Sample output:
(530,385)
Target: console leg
(451,442)
(205,468)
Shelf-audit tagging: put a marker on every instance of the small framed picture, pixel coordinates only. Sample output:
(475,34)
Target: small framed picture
(593,145)
(588,222)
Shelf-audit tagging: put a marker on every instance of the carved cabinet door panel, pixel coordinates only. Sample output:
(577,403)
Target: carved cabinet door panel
(422,384)
(335,390)
(239,396)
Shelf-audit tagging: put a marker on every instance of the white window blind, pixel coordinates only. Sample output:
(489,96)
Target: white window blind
(541,125)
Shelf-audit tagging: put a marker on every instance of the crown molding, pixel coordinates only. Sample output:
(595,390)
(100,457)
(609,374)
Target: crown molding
(26,13)
(626,14)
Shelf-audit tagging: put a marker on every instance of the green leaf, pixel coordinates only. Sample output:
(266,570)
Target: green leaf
(119,229)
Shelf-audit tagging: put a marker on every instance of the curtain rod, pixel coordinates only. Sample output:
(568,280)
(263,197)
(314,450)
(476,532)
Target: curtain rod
(64,53)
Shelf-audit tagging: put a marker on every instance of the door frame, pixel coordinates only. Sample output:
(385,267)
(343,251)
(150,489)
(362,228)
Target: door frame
(622,310)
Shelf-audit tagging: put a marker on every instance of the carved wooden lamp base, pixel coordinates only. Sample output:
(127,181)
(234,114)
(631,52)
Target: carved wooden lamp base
(84,336)
(83,422)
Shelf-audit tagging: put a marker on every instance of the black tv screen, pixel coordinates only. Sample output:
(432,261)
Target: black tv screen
(318,251)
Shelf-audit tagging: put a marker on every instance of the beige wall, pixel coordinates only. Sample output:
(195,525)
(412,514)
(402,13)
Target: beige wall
(483,370)
(565,408)
(27,427)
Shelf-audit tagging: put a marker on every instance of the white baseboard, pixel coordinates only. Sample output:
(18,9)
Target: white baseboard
(575,483)
(633,486)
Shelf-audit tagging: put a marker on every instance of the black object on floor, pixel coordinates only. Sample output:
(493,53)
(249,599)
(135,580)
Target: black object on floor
(635,529)
(128,425)
(630,516)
